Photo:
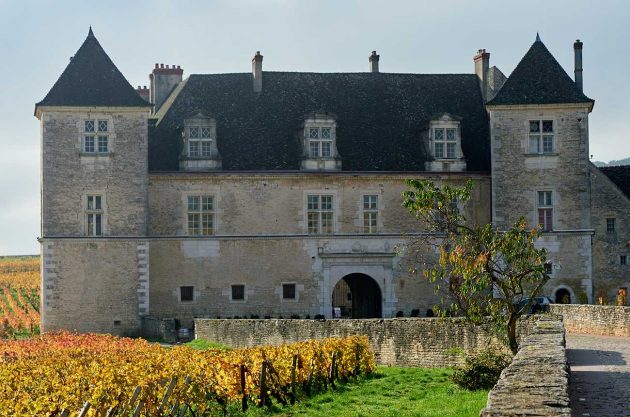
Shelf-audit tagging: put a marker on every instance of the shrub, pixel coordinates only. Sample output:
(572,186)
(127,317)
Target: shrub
(481,371)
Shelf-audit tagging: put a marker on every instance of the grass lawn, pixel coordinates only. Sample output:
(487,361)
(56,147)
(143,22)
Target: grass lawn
(395,392)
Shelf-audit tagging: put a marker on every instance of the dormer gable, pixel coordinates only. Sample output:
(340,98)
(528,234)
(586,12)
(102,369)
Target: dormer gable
(319,142)
(445,144)
(199,150)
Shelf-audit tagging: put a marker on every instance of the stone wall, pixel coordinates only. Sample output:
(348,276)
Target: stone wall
(422,342)
(608,246)
(536,383)
(594,319)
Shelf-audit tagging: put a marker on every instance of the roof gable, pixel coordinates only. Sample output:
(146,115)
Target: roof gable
(92,79)
(539,79)
(382,119)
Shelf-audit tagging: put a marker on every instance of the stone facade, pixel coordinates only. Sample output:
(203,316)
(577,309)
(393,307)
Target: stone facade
(291,189)
(519,175)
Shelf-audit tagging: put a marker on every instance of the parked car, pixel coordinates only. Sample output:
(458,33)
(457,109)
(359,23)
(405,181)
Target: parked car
(542,304)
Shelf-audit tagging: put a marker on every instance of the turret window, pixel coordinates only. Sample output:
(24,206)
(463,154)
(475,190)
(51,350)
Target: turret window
(96,136)
(541,134)
(94,215)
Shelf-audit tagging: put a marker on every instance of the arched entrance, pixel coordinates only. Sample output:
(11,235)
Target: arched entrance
(563,296)
(357,296)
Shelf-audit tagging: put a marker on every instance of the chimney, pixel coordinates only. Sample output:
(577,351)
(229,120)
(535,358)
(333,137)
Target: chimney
(164,79)
(257,72)
(577,49)
(143,92)
(374,62)
(482,64)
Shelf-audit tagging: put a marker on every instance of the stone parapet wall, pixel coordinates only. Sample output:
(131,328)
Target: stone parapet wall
(422,342)
(594,319)
(536,383)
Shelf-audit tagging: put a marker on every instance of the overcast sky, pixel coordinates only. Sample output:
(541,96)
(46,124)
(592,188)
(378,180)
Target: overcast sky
(38,37)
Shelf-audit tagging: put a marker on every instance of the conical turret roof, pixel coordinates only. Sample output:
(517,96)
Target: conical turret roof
(92,79)
(539,79)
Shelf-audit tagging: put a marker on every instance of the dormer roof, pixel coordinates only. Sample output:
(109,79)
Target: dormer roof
(539,79)
(92,79)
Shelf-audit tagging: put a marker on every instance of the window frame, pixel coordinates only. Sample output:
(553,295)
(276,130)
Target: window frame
(540,137)
(200,141)
(94,205)
(96,140)
(244,293)
(546,209)
(319,141)
(319,213)
(208,214)
(623,260)
(443,148)
(611,225)
(285,285)
(370,214)
(192,294)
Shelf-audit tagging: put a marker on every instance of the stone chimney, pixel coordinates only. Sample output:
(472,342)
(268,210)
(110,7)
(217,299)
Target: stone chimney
(482,64)
(373,60)
(257,72)
(144,92)
(577,49)
(163,79)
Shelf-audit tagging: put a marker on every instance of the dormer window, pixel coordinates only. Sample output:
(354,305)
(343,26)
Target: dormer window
(199,142)
(445,144)
(319,136)
(320,142)
(200,152)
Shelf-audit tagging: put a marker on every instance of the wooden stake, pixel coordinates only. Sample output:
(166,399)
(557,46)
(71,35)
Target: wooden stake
(293,366)
(84,410)
(168,393)
(263,385)
(64,413)
(244,398)
(136,412)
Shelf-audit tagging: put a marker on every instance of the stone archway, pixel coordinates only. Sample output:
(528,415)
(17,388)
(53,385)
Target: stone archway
(562,296)
(357,296)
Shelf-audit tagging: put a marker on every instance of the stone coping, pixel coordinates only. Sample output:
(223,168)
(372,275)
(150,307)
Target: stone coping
(536,383)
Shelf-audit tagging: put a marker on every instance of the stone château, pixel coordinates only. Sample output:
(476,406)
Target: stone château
(279,193)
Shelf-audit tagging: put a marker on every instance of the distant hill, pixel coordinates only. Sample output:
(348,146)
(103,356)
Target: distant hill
(625,161)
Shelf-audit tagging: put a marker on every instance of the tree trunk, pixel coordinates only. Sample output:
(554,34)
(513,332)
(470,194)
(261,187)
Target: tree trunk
(511,330)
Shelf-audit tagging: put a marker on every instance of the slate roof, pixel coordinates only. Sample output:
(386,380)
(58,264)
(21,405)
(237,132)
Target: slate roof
(92,79)
(539,79)
(620,176)
(382,119)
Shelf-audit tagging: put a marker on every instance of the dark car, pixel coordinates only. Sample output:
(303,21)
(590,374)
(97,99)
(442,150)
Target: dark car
(542,304)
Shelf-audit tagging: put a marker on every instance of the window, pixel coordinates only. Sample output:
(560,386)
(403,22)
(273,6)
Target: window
(623,260)
(370,213)
(238,292)
(94,213)
(320,142)
(288,291)
(320,214)
(199,142)
(610,225)
(545,210)
(541,136)
(548,268)
(186,294)
(200,215)
(96,136)
(444,143)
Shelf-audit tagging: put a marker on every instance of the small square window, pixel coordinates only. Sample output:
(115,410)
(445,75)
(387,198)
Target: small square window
(205,132)
(238,292)
(623,260)
(325,133)
(314,133)
(186,293)
(610,225)
(288,291)
(534,126)
(194,132)
(548,268)
(102,125)
(89,125)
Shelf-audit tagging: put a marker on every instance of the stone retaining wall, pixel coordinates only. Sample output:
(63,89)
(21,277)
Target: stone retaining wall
(594,319)
(423,342)
(536,383)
